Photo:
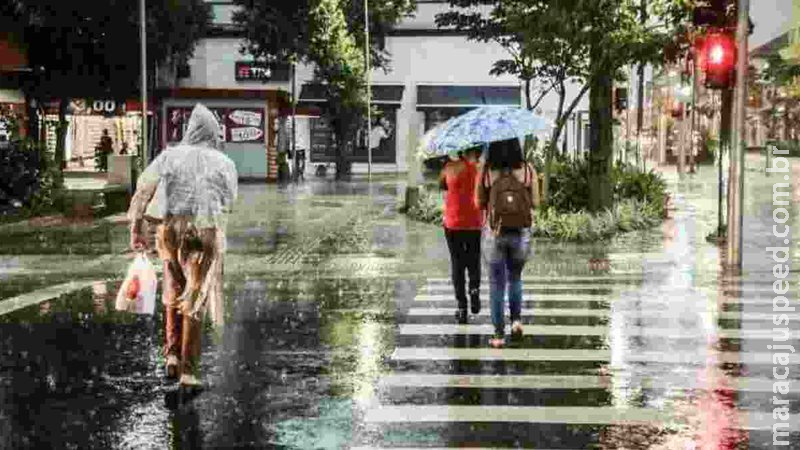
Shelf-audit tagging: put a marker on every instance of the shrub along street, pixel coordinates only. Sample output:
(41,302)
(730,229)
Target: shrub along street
(639,203)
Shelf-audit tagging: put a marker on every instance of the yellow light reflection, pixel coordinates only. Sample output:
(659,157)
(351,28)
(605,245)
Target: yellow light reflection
(367,369)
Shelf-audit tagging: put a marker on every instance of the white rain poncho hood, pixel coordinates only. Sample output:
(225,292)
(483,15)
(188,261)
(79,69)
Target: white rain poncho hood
(196,179)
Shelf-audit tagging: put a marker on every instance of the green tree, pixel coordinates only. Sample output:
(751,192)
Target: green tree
(580,41)
(537,35)
(85,49)
(339,62)
(773,84)
(612,35)
(329,34)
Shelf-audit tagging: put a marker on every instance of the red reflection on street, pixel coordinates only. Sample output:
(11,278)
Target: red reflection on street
(720,422)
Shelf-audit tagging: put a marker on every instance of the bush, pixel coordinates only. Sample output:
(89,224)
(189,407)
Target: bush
(639,203)
(569,184)
(429,207)
(27,177)
(627,215)
(630,183)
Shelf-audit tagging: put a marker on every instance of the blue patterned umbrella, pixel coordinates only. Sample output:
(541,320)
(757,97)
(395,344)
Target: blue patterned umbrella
(479,127)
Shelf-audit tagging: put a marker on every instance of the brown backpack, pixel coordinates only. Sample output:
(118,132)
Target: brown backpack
(510,201)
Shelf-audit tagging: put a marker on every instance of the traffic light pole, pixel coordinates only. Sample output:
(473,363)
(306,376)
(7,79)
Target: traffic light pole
(726,100)
(640,95)
(737,157)
(695,87)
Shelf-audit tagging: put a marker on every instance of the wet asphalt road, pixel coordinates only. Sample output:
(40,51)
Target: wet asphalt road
(642,342)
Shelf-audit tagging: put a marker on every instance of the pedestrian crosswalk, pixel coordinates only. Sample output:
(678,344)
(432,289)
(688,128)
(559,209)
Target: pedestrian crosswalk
(583,363)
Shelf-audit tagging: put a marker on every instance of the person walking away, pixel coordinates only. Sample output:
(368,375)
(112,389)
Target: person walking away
(463,221)
(508,190)
(199,188)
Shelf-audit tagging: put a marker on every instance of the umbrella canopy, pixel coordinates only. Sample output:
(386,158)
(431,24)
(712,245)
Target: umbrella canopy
(481,126)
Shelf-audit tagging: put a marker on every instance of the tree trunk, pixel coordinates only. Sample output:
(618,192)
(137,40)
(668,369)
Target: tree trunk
(32,124)
(601,141)
(552,145)
(61,141)
(528,94)
(561,120)
(345,134)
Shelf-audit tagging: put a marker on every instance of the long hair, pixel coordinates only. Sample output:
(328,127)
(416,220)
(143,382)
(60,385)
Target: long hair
(472,150)
(505,155)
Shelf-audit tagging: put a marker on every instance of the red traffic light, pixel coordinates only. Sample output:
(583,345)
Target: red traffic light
(719,60)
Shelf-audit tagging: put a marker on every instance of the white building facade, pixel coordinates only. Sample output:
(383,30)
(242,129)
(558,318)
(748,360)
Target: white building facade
(433,75)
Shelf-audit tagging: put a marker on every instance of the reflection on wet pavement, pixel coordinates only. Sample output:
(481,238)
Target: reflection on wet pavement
(655,348)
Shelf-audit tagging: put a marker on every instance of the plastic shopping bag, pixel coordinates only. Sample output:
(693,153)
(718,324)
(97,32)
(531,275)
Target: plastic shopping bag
(138,292)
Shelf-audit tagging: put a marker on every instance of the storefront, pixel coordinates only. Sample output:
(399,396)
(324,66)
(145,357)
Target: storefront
(13,66)
(382,138)
(12,104)
(439,103)
(89,120)
(249,120)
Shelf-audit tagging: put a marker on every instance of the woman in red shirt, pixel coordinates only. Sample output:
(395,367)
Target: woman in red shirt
(463,221)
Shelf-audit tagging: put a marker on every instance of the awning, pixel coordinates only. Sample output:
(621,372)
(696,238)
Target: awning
(381,93)
(467,96)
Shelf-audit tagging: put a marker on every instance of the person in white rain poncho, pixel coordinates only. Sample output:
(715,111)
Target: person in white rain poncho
(197,185)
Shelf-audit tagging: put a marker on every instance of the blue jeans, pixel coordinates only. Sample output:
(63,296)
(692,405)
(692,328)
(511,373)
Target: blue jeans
(506,255)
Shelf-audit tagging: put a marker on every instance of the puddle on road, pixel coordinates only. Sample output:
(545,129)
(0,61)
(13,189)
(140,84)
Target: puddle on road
(95,374)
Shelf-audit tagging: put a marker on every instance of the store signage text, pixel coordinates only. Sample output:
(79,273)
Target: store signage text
(252,71)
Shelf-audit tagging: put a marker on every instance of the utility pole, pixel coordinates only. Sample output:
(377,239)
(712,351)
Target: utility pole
(682,139)
(369,90)
(143,38)
(737,163)
(726,103)
(640,93)
(695,87)
(294,123)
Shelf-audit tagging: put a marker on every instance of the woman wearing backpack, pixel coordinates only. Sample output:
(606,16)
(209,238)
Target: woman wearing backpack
(463,221)
(508,190)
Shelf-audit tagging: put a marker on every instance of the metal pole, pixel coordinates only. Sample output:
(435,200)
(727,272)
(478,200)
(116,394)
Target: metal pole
(735,220)
(720,150)
(628,114)
(682,140)
(640,96)
(726,107)
(369,89)
(695,87)
(143,38)
(294,124)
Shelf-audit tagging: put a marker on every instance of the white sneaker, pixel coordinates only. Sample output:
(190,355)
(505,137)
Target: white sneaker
(189,380)
(516,328)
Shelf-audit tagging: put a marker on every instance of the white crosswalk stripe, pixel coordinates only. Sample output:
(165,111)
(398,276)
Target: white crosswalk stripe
(603,313)
(527,354)
(621,297)
(581,330)
(606,297)
(554,382)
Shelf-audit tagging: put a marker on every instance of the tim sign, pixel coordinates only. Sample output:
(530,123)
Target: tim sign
(247,71)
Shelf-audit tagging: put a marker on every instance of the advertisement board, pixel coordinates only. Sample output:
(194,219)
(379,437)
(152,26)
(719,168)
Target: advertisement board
(239,125)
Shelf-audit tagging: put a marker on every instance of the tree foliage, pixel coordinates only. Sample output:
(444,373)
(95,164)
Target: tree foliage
(91,48)
(84,48)
(581,41)
(328,34)
(339,62)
